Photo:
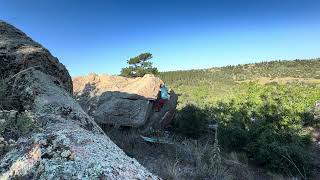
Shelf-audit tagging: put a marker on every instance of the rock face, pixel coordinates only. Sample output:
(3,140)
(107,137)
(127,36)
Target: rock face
(124,101)
(19,52)
(68,144)
(146,87)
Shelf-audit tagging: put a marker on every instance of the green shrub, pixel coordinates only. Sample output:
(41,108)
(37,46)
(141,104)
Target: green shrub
(267,122)
(248,111)
(15,127)
(3,92)
(6,99)
(233,138)
(191,121)
(283,152)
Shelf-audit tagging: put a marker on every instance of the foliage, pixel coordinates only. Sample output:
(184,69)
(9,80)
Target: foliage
(191,121)
(267,122)
(5,99)
(139,66)
(12,127)
(15,127)
(12,124)
(3,90)
(140,59)
(208,86)
(263,120)
(272,69)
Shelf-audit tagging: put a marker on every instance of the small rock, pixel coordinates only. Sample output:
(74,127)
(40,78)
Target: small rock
(2,147)
(43,142)
(12,145)
(2,121)
(11,141)
(13,114)
(66,153)
(49,149)
(72,157)
(1,139)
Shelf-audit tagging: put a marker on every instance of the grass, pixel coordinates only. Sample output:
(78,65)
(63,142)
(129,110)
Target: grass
(184,159)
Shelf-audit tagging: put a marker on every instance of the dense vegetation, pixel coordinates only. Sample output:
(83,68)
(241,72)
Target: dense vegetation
(206,86)
(265,120)
(267,123)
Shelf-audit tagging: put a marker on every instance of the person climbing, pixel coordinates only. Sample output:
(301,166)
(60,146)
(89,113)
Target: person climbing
(164,92)
(164,96)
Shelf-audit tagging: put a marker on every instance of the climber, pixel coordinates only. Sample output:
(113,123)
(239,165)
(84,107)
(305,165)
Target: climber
(164,92)
(164,96)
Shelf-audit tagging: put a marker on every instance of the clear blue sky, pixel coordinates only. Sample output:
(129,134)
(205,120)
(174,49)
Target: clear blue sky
(100,35)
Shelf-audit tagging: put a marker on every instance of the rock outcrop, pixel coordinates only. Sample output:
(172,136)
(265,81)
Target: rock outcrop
(68,144)
(18,52)
(121,101)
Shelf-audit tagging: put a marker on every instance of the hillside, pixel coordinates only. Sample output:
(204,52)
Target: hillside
(209,85)
(266,111)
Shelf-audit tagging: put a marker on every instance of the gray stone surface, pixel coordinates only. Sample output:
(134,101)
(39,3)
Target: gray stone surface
(68,144)
(120,101)
(118,109)
(19,52)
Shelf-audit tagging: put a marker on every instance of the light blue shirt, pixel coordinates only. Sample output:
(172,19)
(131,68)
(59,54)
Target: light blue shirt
(164,92)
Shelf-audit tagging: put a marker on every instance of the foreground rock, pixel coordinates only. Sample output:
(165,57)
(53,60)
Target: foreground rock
(68,144)
(19,52)
(121,101)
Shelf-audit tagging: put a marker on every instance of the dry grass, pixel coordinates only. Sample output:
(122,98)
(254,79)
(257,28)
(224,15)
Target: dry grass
(185,159)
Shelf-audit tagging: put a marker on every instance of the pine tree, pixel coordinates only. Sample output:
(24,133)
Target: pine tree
(139,66)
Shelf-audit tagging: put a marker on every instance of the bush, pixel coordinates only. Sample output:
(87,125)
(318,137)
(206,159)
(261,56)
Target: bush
(267,122)
(14,126)
(284,153)
(233,138)
(191,121)
(3,94)
(6,99)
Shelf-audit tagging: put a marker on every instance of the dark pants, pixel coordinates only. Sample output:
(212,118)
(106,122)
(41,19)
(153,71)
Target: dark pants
(159,104)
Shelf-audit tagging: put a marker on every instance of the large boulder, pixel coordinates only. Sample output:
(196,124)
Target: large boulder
(146,87)
(68,143)
(121,101)
(18,52)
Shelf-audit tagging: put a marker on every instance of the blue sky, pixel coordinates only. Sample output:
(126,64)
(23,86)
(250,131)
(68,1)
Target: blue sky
(100,35)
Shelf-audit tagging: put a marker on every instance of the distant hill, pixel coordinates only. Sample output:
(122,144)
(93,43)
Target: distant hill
(208,85)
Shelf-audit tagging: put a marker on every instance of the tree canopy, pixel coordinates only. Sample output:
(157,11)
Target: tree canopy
(139,66)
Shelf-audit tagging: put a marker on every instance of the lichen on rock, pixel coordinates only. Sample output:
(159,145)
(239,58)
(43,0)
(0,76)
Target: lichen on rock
(69,144)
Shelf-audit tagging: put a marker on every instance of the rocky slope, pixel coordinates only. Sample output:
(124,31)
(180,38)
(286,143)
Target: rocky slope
(121,101)
(69,144)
